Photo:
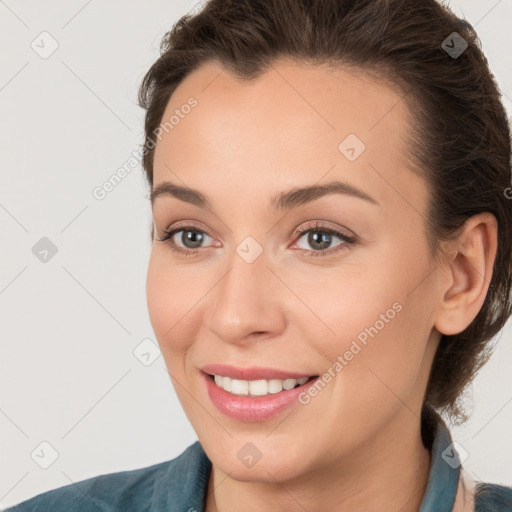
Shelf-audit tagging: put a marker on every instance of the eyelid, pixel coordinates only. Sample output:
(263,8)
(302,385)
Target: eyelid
(318,225)
(187,224)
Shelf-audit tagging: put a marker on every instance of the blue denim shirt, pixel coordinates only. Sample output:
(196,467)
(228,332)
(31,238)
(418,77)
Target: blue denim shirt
(180,485)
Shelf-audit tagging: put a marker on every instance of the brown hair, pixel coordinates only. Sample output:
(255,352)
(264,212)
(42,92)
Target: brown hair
(460,133)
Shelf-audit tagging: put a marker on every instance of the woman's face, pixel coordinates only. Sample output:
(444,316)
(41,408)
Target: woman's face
(251,292)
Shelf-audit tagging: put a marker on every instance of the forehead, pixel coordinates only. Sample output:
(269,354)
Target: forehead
(291,126)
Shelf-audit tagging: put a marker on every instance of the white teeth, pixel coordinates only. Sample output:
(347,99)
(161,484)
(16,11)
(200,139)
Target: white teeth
(289,383)
(240,387)
(275,386)
(226,383)
(259,387)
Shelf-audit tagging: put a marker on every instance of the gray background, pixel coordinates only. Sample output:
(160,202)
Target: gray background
(69,327)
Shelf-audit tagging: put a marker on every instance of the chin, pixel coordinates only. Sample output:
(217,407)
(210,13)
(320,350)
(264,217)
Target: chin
(249,459)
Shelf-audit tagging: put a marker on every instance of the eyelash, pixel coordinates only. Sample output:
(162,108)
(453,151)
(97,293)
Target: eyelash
(318,227)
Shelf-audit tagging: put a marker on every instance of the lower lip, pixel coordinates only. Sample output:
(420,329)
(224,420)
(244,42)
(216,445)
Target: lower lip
(257,408)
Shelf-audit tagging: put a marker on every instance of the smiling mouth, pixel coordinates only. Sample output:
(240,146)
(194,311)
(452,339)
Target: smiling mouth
(260,387)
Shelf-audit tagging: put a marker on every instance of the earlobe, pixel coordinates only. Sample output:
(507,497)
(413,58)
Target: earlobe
(470,271)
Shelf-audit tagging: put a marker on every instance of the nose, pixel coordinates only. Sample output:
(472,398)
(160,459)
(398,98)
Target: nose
(246,304)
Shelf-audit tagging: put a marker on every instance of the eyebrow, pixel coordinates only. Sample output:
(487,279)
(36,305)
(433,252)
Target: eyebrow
(282,201)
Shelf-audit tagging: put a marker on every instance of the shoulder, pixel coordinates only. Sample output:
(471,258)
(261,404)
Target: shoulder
(492,497)
(137,489)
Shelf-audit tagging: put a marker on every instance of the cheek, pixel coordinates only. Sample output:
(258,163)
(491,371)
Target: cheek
(171,295)
(383,362)
(370,319)
(342,305)
(381,300)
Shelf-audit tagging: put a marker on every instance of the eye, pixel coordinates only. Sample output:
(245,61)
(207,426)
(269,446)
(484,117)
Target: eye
(320,237)
(191,237)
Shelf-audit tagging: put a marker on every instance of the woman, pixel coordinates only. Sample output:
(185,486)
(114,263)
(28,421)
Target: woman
(331,255)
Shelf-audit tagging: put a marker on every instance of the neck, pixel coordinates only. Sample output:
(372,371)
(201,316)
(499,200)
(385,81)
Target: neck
(389,473)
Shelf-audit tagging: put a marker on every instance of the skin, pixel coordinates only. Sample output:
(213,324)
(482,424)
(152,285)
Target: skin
(357,444)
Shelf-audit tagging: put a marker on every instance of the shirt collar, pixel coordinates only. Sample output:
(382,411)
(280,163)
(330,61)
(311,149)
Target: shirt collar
(442,481)
(444,466)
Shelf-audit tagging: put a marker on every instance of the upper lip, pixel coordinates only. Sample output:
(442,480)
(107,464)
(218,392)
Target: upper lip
(252,373)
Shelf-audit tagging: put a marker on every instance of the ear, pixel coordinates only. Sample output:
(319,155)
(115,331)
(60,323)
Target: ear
(469,270)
